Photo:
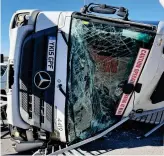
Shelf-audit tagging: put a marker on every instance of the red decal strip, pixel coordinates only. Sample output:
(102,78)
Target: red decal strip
(137,68)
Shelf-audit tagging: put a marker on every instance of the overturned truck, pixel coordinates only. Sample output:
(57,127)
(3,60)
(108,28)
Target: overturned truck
(75,76)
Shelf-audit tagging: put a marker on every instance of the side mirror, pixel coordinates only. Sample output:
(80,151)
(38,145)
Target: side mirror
(2,58)
(105,9)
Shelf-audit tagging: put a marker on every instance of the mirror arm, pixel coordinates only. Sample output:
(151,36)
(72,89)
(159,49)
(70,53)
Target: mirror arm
(90,7)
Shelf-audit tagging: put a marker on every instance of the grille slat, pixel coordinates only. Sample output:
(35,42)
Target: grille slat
(49,112)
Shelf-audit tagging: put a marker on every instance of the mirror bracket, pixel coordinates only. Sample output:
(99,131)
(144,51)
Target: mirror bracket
(105,9)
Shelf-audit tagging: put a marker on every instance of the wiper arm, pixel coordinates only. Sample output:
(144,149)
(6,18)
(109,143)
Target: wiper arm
(61,89)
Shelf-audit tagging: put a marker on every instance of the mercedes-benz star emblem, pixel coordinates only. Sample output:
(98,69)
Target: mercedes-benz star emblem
(42,80)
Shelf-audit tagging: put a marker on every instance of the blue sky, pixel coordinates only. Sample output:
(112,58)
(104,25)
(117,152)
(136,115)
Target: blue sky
(138,9)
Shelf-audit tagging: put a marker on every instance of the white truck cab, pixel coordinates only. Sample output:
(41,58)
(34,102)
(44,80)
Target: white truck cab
(73,75)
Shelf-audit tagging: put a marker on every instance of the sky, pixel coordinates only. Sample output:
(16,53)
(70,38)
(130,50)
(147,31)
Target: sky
(138,10)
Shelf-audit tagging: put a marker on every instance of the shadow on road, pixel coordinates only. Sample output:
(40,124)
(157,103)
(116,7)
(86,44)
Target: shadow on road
(124,136)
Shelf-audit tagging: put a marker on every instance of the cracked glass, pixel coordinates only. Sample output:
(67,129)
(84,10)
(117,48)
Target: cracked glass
(101,58)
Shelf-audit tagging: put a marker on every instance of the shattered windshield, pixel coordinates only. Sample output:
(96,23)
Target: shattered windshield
(101,58)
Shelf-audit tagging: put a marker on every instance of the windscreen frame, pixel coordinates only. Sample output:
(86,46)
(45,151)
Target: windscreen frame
(145,28)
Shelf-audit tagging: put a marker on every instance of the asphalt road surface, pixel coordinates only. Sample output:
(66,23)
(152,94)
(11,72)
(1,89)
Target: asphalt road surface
(122,141)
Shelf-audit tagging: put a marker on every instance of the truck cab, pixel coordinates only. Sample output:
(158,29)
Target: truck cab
(73,75)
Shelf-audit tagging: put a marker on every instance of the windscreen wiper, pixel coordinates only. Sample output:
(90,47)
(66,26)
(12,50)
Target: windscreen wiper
(61,89)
